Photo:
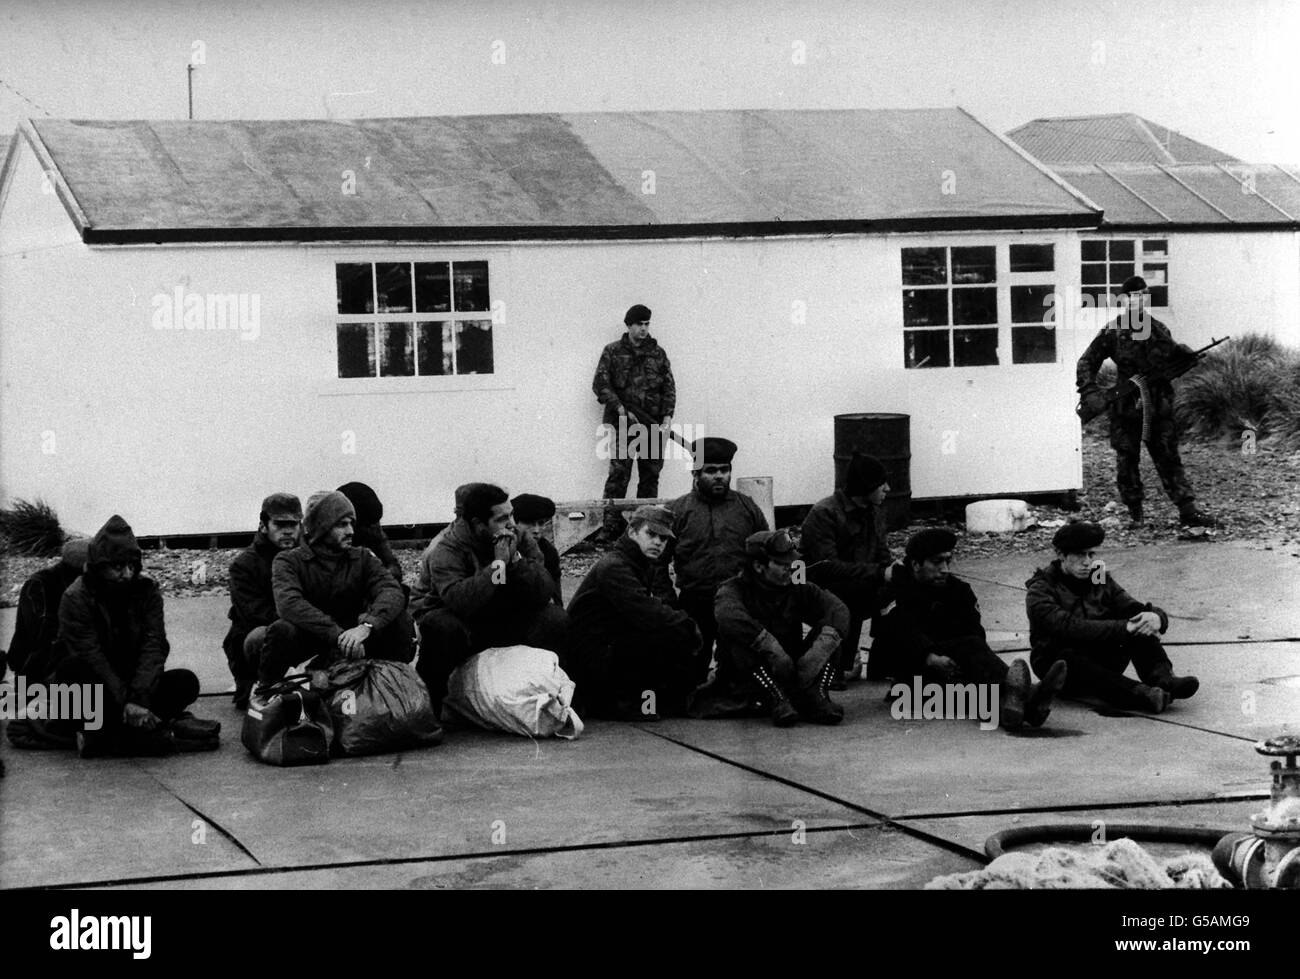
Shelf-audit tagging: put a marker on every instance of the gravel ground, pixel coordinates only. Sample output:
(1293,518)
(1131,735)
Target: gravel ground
(1257,497)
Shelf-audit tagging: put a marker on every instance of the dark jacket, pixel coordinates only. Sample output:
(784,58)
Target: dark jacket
(1065,611)
(551,561)
(710,544)
(122,639)
(637,374)
(323,594)
(252,600)
(1133,355)
(456,573)
(756,616)
(844,539)
(920,619)
(37,622)
(625,592)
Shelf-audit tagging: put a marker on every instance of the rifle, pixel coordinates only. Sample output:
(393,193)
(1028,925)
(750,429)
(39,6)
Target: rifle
(1094,402)
(644,418)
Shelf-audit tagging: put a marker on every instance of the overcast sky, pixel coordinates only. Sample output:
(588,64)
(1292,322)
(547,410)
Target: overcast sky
(1223,72)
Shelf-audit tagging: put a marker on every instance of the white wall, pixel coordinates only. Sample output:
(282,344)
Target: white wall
(184,432)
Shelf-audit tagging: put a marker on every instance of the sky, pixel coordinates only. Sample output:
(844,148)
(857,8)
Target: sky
(1224,73)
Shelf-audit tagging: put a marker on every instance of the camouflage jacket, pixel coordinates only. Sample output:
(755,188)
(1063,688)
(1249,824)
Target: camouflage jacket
(1134,352)
(640,375)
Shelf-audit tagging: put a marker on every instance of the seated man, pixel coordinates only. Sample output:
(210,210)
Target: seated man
(629,638)
(533,517)
(111,633)
(482,584)
(368,533)
(252,600)
(761,614)
(333,600)
(37,622)
(931,628)
(843,541)
(1078,613)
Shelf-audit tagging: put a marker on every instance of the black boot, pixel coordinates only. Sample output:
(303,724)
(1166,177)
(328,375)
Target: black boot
(1178,687)
(815,705)
(1190,516)
(1039,705)
(1135,514)
(1015,693)
(783,712)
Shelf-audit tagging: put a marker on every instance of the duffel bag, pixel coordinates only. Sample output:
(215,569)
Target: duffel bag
(292,728)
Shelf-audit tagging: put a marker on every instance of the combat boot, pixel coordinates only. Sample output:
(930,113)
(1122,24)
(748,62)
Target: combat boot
(1135,515)
(1190,516)
(825,682)
(1154,700)
(1041,695)
(783,712)
(1178,687)
(1015,692)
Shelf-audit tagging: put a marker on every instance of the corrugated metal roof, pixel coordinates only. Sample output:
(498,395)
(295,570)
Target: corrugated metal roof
(640,174)
(1120,138)
(1201,195)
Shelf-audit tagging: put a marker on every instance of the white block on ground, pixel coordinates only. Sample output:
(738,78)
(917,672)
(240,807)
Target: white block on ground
(997,516)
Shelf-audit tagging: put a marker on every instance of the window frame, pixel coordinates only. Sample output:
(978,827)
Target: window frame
(1142,261)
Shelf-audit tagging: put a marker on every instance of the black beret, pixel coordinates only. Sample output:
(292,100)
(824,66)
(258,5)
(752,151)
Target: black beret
(710,451)
(1134,283)
(364,501)
(530,508)
(1078,536)
(864,475)
(929,542)
(636,314)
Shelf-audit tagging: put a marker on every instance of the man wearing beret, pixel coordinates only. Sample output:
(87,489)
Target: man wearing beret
(931,628)
(533,515)
(333,600)
(843,541)
(634,381)
(252,598)
(710,525)
(629,638)
(1138,344)
(1078,613)
(369,532)
(482,583)
(761,613)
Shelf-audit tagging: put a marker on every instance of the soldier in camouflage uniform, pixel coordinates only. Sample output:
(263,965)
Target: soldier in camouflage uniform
(634,381)
(1138,344)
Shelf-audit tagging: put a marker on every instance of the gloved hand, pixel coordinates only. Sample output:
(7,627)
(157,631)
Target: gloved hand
(1092,401)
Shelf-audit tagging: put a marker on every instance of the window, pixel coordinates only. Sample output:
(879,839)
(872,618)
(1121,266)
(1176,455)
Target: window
(950,306)
(413,319)
(1033,304)
(1107,262)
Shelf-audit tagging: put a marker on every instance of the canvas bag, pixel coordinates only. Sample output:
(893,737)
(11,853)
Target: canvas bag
(380,705)
(293,729)
(520,689)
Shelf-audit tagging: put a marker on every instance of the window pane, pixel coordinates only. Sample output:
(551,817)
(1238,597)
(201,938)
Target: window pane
(1032,258)
(1094,274)
(974,264)
(393,283)
(925,266)
(1155,273)
(974,305)
(435,348)
(356,343)
(1094,250)
(1119,271)
(1159,296)
(1155,246)
(356,292)
(1122,250)
(432,287)
(1100,296)
(396,350)
(925,307)
(474,347)
(974,348)
(1033,345)
(1031,304)
(471,286)
(925,348)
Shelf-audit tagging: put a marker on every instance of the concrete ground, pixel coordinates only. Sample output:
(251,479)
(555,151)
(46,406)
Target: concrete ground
(874,803)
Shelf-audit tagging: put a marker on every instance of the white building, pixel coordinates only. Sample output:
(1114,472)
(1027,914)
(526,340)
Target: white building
(193,314)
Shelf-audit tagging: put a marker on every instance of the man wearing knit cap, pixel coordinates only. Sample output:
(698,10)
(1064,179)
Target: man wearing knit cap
(1078,613)
(111,633)
(1138,344)
(333,600)
(761,613)
(634,382)
(633,650)
(37,622)
(931,628)
(533,515)
(711,524)
(252,599)
(482,584)
(843,541)
(368,532)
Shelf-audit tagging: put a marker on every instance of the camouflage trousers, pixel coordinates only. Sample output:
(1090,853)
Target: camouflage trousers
(649,465)
(1162,446)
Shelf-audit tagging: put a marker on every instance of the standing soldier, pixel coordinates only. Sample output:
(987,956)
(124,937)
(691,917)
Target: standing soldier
(634,381)
(1138,344)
